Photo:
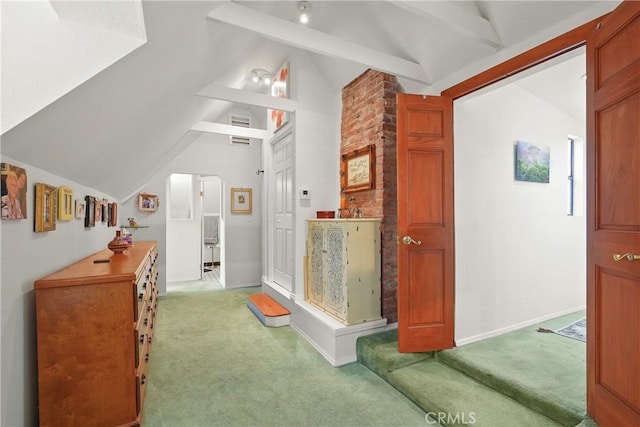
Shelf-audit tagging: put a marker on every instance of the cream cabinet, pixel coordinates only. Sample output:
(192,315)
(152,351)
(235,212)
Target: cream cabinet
(343,268)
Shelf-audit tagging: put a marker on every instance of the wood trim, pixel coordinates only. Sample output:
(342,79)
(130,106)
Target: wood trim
(555,47)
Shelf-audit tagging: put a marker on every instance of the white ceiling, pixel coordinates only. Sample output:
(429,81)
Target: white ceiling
(143,107)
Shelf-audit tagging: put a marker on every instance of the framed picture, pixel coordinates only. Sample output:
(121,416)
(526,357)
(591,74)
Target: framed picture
(113,214)
(14,192)
(147,202)
(65,204)
(357,169)
(46,206)
(90,211)
(97,216)
(532,163)
(79,208)
(280,89)
(241,200)
(104,204)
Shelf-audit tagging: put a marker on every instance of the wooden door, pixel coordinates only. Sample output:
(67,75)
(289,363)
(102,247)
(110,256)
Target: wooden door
(283,251)
(425,223)
(613,280)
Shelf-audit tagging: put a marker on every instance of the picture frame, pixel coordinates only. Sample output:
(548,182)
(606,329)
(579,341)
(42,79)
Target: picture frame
(80,213)
(280,89)
(98,211)
(241,200)
(90,211)
(46,207)
(14,191)
(104,203)
(65,204)
(357,169)
(148,202)
(113,214)
(532,162)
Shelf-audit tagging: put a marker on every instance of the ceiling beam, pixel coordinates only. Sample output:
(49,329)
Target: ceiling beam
(225,93)
(223,129)
(456,18)
(302,37)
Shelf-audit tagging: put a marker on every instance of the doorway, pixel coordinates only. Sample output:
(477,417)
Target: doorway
(212,242)
(498,287)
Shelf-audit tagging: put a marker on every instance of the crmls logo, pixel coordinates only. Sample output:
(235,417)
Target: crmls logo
(449,419)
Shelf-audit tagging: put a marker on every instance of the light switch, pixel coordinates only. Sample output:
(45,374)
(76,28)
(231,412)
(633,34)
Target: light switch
(305,195)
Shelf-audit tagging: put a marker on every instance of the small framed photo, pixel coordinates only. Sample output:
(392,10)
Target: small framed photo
(241,200)
(90,211)
(46,207)
(79,208)
(113,214)
(147,202)
(65,204)
(357,169)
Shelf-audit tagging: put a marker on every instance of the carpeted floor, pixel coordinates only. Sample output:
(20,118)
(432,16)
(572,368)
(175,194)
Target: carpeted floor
(214,364)
(523,378)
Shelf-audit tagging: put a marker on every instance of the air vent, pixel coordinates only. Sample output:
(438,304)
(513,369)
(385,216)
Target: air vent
(244,122)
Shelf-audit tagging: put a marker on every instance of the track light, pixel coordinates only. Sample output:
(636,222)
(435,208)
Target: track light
(304,9)
(261,77)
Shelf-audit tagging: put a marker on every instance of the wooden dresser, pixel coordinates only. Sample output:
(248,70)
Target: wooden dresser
(94,330)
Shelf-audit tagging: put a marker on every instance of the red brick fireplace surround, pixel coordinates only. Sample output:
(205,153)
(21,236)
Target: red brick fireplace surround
(369,117)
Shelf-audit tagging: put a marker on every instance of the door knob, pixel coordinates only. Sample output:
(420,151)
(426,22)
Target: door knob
(628,255)
(407,240)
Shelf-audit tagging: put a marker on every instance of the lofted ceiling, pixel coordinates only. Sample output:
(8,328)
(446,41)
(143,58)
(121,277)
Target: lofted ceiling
(142,109)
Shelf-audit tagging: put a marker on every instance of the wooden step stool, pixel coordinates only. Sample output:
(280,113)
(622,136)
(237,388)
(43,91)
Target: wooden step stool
(268,311)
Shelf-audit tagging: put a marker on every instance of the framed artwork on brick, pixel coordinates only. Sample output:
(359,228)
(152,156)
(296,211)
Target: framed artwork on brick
(357,169)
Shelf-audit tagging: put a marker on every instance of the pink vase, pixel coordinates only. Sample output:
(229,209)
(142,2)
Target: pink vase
(118,245)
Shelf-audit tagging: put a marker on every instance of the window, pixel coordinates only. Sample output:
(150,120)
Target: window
(571,182)
(575,176)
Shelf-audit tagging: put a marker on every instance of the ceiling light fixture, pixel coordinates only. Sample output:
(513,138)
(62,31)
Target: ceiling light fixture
(304,9)
(261,77)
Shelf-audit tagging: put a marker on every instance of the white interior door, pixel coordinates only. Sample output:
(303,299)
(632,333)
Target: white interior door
(283,242)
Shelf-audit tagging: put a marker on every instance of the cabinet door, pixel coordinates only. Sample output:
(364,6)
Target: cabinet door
(315,252)
(336,264)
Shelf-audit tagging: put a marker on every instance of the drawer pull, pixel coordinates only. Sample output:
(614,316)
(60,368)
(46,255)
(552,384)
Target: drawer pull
(143,379)
(146,357)
(142,339)
(149,340)
(140,296)
(146,321)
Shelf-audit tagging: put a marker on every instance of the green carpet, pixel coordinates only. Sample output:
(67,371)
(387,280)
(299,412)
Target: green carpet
(523,378)
(546,372)
(214,364)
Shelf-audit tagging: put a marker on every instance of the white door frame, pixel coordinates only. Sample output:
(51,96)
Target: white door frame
(270,176)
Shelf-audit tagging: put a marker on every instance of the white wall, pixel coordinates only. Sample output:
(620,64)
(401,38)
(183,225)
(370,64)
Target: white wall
(211,154)
(519,256)
(49,49)
(211,198)
(184,237)
(26,257)
(317,152)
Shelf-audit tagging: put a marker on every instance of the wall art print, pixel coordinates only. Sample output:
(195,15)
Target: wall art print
(46,208)
(280,89)
(65,204)
(14,192)
(532,163)
(241,200)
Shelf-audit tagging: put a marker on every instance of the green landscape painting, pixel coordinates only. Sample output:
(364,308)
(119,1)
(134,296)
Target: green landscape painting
(532,162)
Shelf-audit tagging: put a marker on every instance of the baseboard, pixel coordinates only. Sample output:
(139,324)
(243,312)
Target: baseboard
(335,341)
(516,326)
